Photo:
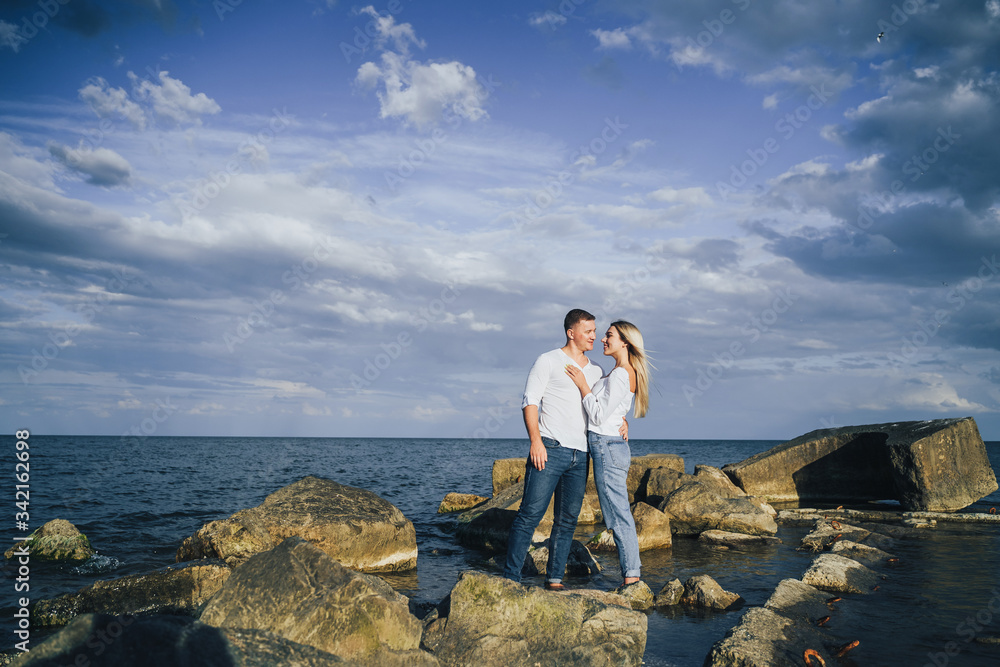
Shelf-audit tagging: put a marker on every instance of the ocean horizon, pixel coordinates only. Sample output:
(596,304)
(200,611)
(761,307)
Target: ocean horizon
(138,498)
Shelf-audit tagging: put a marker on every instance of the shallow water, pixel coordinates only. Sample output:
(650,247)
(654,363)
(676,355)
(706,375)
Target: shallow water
(137,501)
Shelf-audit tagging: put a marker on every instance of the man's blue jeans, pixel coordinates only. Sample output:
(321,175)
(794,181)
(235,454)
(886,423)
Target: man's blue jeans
(612,458)
(565,476)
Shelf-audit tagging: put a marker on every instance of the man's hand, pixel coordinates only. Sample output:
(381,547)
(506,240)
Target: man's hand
(537,454)
(623,431)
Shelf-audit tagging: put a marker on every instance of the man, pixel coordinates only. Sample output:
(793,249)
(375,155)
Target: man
(557,458)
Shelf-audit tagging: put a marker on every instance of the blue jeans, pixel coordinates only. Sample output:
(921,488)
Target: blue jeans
(565,475)
(612,458)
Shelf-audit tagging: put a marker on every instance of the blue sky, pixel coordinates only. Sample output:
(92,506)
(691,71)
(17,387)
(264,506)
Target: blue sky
(317,218)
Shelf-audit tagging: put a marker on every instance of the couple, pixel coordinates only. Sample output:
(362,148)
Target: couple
(569,407)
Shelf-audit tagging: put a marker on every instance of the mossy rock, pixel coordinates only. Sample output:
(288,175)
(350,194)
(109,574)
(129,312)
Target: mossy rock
(57,540)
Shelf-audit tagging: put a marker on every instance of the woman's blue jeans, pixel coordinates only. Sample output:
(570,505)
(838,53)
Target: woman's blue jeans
(565,476)
(612,458)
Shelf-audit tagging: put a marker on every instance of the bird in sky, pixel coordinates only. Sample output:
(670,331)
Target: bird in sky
(879,38)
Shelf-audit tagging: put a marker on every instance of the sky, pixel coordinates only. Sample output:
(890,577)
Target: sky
(319,218)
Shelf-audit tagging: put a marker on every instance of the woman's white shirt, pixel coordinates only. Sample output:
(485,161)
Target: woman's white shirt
(608,402)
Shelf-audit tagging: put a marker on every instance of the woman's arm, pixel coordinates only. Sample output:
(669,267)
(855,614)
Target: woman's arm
(578,378)
(608,394)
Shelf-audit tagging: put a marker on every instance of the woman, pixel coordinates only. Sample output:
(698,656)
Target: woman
(606,405)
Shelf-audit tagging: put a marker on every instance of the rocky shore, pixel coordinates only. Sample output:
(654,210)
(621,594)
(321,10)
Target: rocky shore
(294,580)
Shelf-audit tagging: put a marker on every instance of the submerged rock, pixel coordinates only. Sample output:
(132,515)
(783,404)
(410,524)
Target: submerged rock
(489,621)
(938,465)
(670,594)
(57,540)
(864,554)
(353,526)
(828,532)
(101,640)
(740,541)
(300,593)
(179,589)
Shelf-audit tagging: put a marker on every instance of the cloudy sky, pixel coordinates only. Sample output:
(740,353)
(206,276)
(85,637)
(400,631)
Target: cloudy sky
(330,219)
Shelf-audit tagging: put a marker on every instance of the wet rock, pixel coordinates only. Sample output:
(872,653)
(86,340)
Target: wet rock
(489,621)
(581,562)
(353,526)
(864,554)
(763,638)
(638,594)
(670,594)
(101,640)
(300,593)
(489,530)
(737,541)
(179,589)
(694,508)
(799,601)
(458,502)
(510,499)
(838,574)
(652,528)
(703,591)
(57,540)
(826,533)
(938,465)
(718,481)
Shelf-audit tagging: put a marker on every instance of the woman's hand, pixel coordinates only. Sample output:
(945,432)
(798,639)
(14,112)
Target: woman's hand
(579,379)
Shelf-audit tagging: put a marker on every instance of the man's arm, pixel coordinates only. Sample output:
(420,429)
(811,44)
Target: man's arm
(536,453)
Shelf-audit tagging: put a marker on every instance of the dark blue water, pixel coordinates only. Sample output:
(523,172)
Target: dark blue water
(137,501)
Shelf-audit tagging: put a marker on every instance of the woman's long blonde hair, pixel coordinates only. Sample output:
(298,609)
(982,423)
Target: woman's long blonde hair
(639,361)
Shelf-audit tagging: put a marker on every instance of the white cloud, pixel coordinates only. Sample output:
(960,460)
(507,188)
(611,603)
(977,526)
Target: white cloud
(172,101)
(612,39)
(691,196)
(11,37)
(402,35)
(102,166)
(108,102)
(549,18)
(770,102)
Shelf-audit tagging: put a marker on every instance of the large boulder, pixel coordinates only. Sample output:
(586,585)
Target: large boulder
(57,540)
(353,526)
(300,593)
(694,508)
(510,499)
(489,621)
(937,465)
(652,528)
(178,589)
(507,472)
(101,640)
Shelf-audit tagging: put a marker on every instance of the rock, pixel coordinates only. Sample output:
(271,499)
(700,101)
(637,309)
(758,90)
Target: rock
(763,638)
(297,591)
(826,533)
(864,554)
(458,502)
(510,499)
(489,531)
(179,589)
(798,601)
(703,591)
(581,563)
(664,481)
(637,593)
(938,465)
(738,541)
(718,481)
(837,574)
(694,508)
(353,526)
(489,621)
(57,540)
(652,527)
(507,472)
(101,640)
(670,594)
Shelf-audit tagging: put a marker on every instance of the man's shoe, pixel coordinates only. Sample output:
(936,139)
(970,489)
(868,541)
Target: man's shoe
(553,586)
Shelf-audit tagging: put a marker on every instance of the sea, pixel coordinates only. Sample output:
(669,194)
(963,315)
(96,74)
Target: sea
(137,499)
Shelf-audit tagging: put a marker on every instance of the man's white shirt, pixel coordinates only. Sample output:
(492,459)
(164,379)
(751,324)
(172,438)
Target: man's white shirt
(561,415)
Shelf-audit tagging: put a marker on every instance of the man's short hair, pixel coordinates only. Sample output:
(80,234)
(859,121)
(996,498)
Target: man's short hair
(574,316)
